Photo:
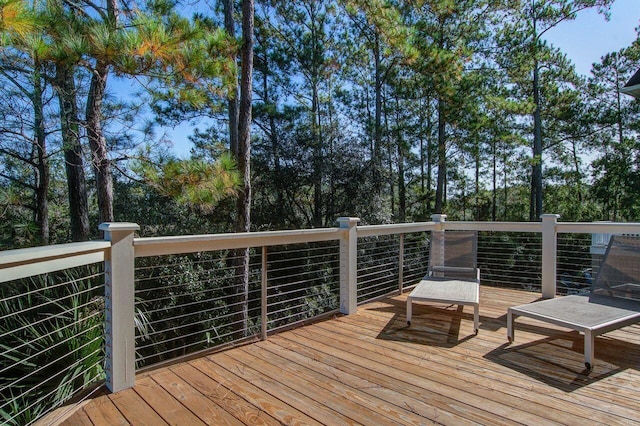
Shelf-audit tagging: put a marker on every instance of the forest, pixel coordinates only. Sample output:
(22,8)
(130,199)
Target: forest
(301,112)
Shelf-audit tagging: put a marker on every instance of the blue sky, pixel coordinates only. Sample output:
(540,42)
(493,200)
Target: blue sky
(589,37)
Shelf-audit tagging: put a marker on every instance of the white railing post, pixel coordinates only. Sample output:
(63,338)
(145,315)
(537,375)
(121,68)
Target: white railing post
(438,233)
(263,296)
(401,264)
(119,305)
(349,265)
(549,254)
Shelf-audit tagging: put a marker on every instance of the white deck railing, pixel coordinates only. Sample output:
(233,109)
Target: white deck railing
(356,264)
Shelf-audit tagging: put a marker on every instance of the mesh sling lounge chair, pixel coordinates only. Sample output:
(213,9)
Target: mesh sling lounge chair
(612,303)
(453,276)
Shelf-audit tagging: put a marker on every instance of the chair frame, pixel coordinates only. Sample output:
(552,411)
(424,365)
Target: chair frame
(457,290)
(609,313)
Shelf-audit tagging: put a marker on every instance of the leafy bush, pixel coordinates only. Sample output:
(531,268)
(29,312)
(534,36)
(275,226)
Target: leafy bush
(51,340)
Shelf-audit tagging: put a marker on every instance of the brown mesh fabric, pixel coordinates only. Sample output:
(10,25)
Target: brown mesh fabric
(456,249)
(619,274)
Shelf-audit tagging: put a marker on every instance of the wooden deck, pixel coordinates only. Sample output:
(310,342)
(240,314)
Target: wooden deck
(371,369)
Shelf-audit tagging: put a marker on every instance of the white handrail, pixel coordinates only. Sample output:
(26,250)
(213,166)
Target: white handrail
(159,246)
(597,227)
(27,262)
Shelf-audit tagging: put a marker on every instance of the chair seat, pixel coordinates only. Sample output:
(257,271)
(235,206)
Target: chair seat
(581,313)
(446,290)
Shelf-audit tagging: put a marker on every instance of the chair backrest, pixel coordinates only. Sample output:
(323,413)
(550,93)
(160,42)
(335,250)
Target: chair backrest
(619,273)
(454,249)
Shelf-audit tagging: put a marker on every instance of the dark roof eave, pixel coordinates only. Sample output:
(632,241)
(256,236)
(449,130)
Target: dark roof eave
(632,90)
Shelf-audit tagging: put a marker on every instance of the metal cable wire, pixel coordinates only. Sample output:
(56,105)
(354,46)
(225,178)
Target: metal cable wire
(55,339)
(49,287)
(54,391)
(43,320)
(25,360)
(45,302)
(41,368)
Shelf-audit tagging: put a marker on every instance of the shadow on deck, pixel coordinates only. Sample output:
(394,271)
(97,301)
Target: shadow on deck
(371,368)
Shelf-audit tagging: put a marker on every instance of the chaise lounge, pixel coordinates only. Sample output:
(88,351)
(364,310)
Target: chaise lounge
(613,301)
(453,276)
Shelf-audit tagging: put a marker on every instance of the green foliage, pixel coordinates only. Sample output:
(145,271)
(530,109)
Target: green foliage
(16,20)
(613,119)
(194,182)
(51,341)
(303,282)
(186,302)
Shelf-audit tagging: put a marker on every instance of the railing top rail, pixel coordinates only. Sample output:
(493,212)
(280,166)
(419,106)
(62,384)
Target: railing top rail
(31,255)
(494,226)
(403,228)
(598,227)
(394,228)
(22,263)
(159,246)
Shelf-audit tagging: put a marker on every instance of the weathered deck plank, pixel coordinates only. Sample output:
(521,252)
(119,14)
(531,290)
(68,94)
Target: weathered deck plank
(370,368)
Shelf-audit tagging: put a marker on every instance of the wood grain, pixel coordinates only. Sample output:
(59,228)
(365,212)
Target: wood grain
(371,368)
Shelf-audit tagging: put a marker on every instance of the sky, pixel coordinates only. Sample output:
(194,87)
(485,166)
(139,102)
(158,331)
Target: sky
(589,37)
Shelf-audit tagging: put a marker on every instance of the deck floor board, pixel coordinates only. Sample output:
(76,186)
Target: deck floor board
(371,368)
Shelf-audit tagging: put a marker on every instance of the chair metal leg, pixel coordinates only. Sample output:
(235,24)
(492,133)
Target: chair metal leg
(476,318)
(510,326)
(409,310)
(589,349)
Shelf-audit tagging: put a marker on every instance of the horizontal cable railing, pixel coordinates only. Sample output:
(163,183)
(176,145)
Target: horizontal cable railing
(579,257)
(378,266)
(193,293)
(303,282)
(51,340)
(390,263)
(416,257)
(192,302)
(510,259)
(186,303)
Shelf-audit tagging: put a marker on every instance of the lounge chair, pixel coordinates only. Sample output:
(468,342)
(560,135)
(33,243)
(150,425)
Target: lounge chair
(453,276)
(613,301)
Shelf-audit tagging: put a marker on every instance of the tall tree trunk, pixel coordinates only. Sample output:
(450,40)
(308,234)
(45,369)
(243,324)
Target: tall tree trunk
(578,174)
(377,137)
(429,172)
(535,207)
(402,189)
(74,163)
(42,169)
(229,25)
(476,189)
(494,181)
(506,186)
(391,180)
(422,170)
(243,223)
(330,166)
(442,158)
(536,175)
(317,158)
(97,142)
(429,160)
(376,154)
(275,143)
